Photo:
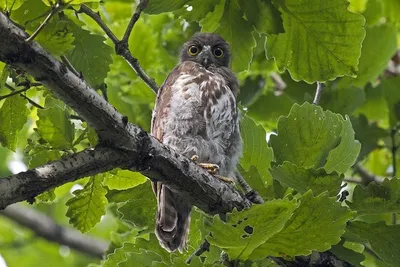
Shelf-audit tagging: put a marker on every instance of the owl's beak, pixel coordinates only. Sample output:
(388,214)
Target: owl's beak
(205,56)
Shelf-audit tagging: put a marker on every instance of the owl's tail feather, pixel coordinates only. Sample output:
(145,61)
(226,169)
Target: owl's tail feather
(173,219)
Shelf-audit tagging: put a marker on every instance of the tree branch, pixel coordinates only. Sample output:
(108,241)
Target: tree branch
(123,144)
(27,185)
(46,227)
(122,47)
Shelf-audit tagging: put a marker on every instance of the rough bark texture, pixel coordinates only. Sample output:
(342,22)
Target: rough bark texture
(122,144)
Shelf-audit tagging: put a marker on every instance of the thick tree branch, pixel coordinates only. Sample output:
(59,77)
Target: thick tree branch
(121,140)
(121,46)
(47,228)
(27,185)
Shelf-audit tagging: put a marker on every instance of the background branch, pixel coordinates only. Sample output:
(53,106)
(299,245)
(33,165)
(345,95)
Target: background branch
(45,227)
(318,93)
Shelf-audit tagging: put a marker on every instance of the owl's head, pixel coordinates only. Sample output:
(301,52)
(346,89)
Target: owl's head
(207,49)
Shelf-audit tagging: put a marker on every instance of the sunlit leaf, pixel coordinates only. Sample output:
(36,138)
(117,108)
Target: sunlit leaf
(322,40)
(88,205)
(13,116)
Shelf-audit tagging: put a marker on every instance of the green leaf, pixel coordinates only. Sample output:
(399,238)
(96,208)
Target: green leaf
(376,199)
(373,64)
(160,6)
(88,205)
(141,207)
(345,154)
(56,37)
(262,15)
(237,32)
(316,225)
(246,230)
(54,125)
(198,11)
(302,179)
(312,138)
(8,5)
(89,51)
(348,255)
(383,239)
(13,116)
(368,134)
(144,258)
(256,152)
(322,40)
(123,179)
(342,100)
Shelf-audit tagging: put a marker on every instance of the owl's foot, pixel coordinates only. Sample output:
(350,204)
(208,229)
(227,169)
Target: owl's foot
(210,167)
(224,179)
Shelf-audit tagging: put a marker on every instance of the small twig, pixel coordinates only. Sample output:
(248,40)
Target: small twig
(33,103)
(59,6)
(69,65)
(318,93)
(122,47)
(142,5)
(14,93)
(96,17)
(205,246)
(366,176)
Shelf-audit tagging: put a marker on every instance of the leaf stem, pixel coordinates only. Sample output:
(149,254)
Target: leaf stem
(318,93)
(58,7)
(122,46)
(33,103)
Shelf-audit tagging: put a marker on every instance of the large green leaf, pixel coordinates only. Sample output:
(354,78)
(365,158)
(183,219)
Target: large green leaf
(302,179)
(88,205)
(13,116)
(347,254)
(375,199)
(373,64)
(90,50)
(237,32)
(246,230)
(383,239)
(54,124)
(316,225)
(160,6)
(342,100)
(141,207)
(322,40)
(123,179)
(262,15)
(8,5)
(312,138)
(256,152)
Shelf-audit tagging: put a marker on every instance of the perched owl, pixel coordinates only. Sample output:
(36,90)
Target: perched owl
(196,115)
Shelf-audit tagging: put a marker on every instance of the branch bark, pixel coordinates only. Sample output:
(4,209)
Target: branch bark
(45,227)
(122,144)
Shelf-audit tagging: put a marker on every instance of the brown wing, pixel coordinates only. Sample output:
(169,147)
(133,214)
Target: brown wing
(173,213)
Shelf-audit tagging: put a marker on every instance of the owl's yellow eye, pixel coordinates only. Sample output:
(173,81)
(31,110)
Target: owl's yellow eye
(193,50)
(218,52)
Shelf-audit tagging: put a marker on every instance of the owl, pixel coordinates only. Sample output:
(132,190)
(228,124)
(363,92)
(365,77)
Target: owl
(196,115)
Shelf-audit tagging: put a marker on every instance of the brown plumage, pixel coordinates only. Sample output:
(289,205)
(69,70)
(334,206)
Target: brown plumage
(195,114)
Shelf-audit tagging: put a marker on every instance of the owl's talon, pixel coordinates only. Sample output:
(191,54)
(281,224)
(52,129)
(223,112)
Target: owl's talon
(194,158)
(210,167)
(224,179)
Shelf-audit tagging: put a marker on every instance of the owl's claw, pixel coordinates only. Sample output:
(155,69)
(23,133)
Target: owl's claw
(210,167)
(225,179)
